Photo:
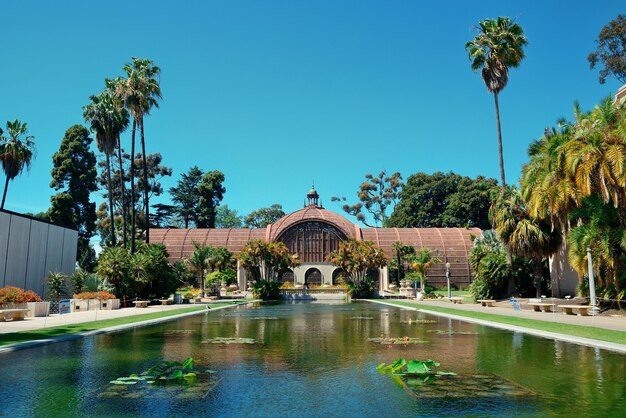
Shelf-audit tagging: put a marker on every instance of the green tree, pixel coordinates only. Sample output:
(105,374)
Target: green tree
(263,217)
(114,265)
(210,192)
(356,258)
(74,170)
(198,261)
(376,195)
(443,201)
(611,50)
(401,253)
(153,275)
(421,262)
(17,150)
(139,92)
(498,46)
(161,215)
(185,194)
(268,259)
(522,235)
(227,218)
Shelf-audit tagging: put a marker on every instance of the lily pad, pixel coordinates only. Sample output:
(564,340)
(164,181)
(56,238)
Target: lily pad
(396,340)
(419,321)
(362,317)
(229,340)
(445,332)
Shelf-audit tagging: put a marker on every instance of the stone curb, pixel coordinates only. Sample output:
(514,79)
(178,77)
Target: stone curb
(37,343)
(621,348)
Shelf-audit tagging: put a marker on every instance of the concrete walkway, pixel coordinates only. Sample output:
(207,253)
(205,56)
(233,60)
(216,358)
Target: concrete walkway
(56,320)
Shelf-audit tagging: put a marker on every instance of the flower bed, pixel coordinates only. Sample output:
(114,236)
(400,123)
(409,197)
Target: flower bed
(12,297)
(92,301)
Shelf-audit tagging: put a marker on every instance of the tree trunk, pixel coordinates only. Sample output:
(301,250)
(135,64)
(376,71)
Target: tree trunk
(133,225)
(511,286)
(538,273)
(4,195)
(122,190)
(110,192)
(500,152)
(145,185)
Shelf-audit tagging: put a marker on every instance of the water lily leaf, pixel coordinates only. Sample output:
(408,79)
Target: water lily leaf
(123,382)
(417,367)
(446,373)
(187,363)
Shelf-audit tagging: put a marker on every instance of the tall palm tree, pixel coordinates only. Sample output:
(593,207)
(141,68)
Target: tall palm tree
(523,235)
(121,121)
(17,150)
(140,93)
(99,114)
(498,46)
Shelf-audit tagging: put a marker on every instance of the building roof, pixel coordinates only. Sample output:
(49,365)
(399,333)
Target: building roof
(312,213)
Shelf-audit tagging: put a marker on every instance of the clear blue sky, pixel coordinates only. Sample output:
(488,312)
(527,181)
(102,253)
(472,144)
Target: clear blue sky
(278,93)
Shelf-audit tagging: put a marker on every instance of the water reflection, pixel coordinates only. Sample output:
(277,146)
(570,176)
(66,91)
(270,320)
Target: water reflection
(314,359)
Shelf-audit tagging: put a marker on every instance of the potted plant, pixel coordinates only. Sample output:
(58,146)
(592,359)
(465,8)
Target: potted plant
(12,297)
(36,307)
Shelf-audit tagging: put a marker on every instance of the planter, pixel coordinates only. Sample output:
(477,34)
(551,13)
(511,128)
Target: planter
(393,287)
(14,306)
(37,309)
(419,296)
(233,287)
(110,304)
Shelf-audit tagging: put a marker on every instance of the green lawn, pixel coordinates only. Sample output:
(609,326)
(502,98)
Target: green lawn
(18,337)
(618,337)
(465,294)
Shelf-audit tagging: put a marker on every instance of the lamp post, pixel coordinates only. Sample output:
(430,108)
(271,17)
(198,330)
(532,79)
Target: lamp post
(592,282)
(448,279)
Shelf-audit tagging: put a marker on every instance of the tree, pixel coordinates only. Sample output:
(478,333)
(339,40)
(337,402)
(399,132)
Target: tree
(401,253)
(227,218)
(611,50)
(153,275)
(74,170)
(443,201)
(263,217)
(210,192)
(17,150)
(221,259)
(356,258)
(498,46)
(522,235)
(269,259)
(421,262)
(161,215)
(198,261)
(185,194)
(140,92)
(114,265)
(376,194)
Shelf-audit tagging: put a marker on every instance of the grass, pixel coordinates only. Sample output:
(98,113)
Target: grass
(41,334)
(618,337)
(465,294)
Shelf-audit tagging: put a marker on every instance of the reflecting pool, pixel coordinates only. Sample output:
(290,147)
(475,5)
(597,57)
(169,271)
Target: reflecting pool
(314,359)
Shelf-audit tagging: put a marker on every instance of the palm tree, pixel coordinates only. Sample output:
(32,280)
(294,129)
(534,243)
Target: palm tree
(523,235)
(498,46)
(421,262)
(99,114)
(120,124)
(401,251)
(140,92)
(199,262)
(17,151)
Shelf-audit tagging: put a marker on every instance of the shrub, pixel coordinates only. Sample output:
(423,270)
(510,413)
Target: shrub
(31,296)
(11,294)
(56,284)
(95,295)
(266,290)
(362,290)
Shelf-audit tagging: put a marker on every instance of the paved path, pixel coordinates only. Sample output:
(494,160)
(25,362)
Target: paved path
(30,324)
(606,322)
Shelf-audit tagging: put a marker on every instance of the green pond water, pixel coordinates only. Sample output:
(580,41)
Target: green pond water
(314,359)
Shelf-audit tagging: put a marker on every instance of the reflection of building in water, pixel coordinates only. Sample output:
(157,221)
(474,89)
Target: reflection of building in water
(313,232)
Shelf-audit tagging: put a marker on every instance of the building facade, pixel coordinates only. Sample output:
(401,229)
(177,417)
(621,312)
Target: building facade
(314,232)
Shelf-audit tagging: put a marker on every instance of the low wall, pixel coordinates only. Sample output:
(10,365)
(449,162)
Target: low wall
(313,294)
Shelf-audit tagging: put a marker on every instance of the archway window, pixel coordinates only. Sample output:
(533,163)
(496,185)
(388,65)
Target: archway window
(313,277)
(285,276)
(312,241)
(338,276)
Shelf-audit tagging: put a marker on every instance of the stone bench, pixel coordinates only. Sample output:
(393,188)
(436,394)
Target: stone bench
(141,303)
(165,301)
(456,299)
(13,314)
(542,306)
(582,310)
(486,302)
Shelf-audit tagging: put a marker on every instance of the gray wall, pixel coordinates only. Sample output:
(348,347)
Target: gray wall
(30,249)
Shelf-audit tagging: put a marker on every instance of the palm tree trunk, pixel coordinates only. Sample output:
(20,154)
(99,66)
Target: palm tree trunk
(500,152)
(110,193)
(133,225)
(538,273)
(122,190)
(145,185)
(4,195)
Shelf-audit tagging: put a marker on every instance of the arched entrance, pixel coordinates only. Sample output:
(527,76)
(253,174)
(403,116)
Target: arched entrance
(338,277)
(313,277)
(286,276)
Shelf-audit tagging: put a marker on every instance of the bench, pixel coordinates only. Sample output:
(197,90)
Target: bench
(456,299)
(582,310)
(13,314)
(141,303)
(542,306)
(165,301)
(486,302)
